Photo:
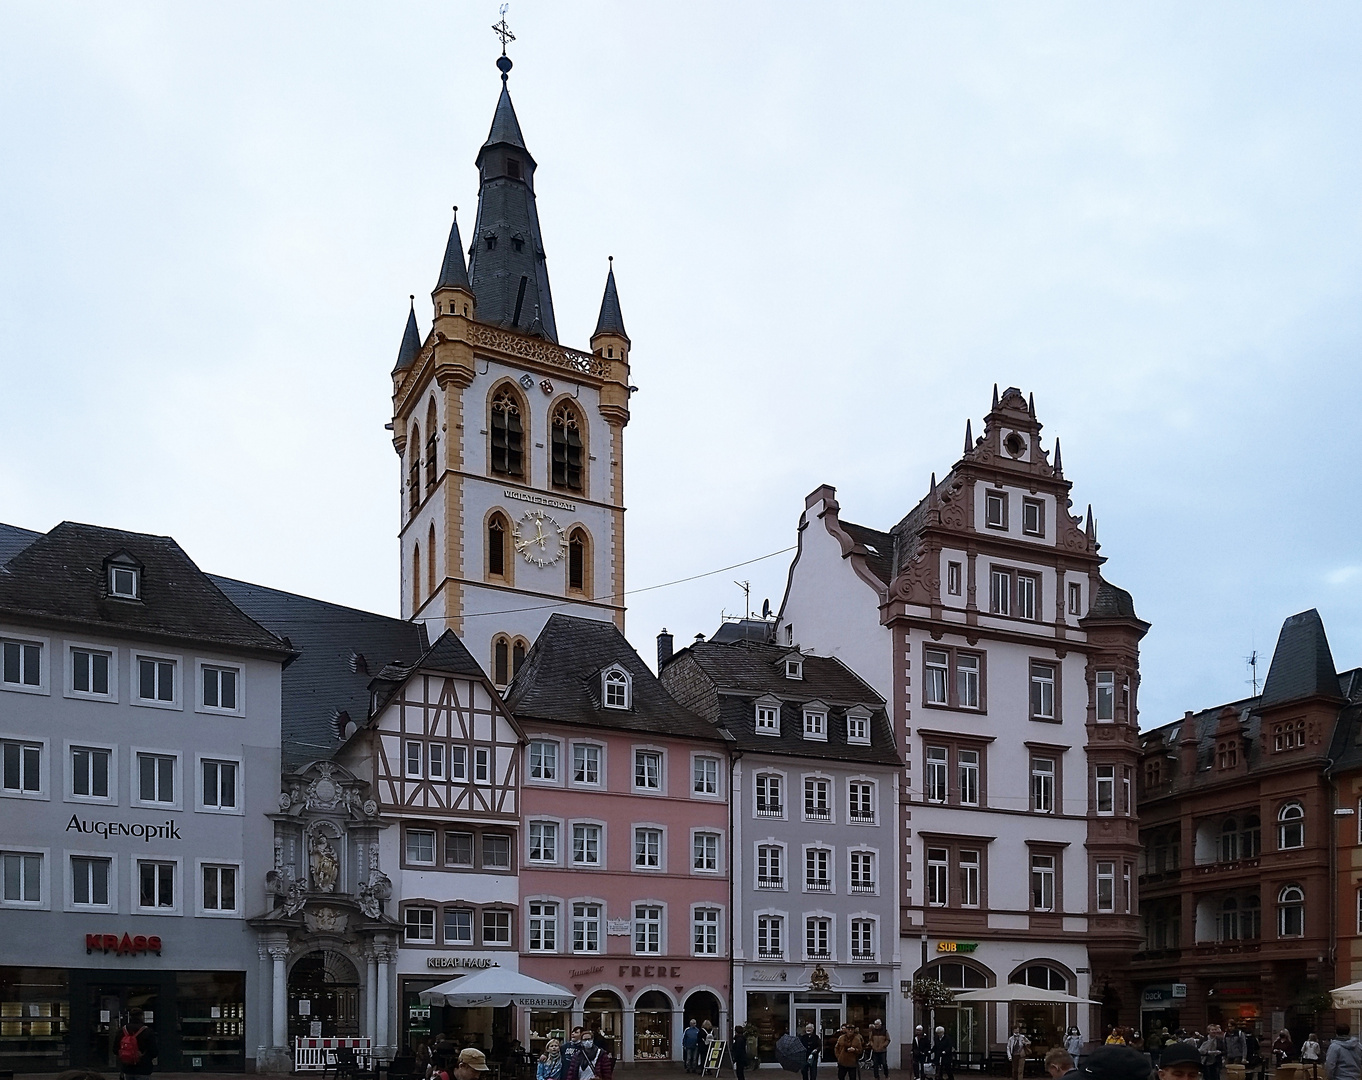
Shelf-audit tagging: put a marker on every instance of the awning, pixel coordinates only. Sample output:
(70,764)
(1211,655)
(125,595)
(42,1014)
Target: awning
(1030,995)
(496,987)
(1347,997)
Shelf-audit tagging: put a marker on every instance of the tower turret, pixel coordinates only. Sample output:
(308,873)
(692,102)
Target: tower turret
(610,342)
(453,294)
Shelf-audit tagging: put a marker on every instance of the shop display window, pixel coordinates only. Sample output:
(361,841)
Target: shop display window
(212,1019)
(769,1014)
(653,1027)
(35,1019)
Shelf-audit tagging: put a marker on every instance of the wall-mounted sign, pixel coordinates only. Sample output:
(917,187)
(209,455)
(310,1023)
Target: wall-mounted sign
(540,500)
(304,1007)
(956,946)
(460,962)
(1180,991)
(121,946)
(617,927)
(581,973)
(768,976)
(870,976)
(650,971)
(145,832)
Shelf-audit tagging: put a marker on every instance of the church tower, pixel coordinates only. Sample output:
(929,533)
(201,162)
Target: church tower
(511,445)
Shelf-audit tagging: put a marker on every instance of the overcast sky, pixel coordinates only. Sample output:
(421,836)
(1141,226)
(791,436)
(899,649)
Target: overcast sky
(835,227)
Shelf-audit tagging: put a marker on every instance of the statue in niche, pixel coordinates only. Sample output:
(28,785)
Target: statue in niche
(325,865)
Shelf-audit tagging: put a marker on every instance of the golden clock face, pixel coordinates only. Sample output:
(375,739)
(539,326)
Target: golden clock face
(539,538)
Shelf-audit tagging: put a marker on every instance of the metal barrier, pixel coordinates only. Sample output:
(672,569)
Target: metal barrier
(319,1054)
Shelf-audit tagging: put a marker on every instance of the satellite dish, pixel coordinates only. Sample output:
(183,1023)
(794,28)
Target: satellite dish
(766,609)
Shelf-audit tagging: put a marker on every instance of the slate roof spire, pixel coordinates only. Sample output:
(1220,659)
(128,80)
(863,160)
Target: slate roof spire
(411,341)
(1302,664)
(453,273)
(506,265)
(610,321)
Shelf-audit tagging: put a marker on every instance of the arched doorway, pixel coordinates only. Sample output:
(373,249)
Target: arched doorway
(702,1006)
(323,989)
(1043,1024)
(653,1026)
(604,1013)
(966,1024)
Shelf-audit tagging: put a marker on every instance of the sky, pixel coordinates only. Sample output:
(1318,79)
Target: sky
(834,226)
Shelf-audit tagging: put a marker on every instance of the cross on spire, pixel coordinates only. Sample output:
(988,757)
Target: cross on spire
(503,31)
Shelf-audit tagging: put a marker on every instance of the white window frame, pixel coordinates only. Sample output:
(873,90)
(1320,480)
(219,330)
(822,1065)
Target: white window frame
(44,901)
(860,921)
(138,859)
(418,906)
(962,769)
(68,876)
(852,858)
(707,759)
(1105,872)
(437,760)
(1075,601)
(1049,788)
(971,896)
(661,755)
(858,727)
(586,919)
(44,792)
(116,568)
(483,766)
(782,859)
(854,816)
(1000,500)
(506,913)
(783,781)
(546,826)
(200,865)
(539,742)
(830,930)
(599,826)
(1040,709)
(69,675)
(937,884)
(1037,505)
(69,767)
(781,920)
(135,697)
(615,681)
(600,763)
(766,716)
(548,919)
(201,802)
(716,924)
(1284,905)
(718,838)
(1028,597)
(969,680)
(407,834)
(650,828)
(829,791)
(135,790)
(1102,781)
(413,764)
(936,687)
(661,922)
(816,725)
(999,591)
(200,663)
(44,663)
(934,769)
(830,858)
(794,668)
(445,911)
(457,751)
(1051,873)
(1105,697)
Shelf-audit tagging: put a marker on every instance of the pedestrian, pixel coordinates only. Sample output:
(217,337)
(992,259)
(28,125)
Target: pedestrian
(1115,1037)
(551,1063)
(739,1052)
(943,1054)
(1017,1044)
(1283,1046)
(848,1054)
(471,1064)
(921,1053)
(1344,1061)
(1311,1053)
(1073,1042)
(879,1050)
(1115,1062)
(753,1048)
(690,1044)
(1236,1046)
(1059,1064)
(1180,1062)
(137,1048)
(590,1061)
(1212,1052)
(813,1050)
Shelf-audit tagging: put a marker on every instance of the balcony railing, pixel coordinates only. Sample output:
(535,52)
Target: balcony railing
(1229,867)
(863,886)
(862,957)
(818,885)
(818,954)
(770,954)
(815,813)
(770,810)
(862,817)
(770,883)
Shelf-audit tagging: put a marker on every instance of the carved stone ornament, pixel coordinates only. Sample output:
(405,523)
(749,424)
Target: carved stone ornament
(325,864)
(819,979)
(370,808)
(324,793)
(326,919)
(919,583)
(285,800)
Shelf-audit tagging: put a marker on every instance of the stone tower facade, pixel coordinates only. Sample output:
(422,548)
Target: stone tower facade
(511,445)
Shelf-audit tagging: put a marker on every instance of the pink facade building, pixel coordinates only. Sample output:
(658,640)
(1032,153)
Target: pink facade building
(624,890)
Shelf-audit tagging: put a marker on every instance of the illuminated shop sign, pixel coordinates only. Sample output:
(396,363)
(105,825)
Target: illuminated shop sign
(956,946)
(459,962)
(121,946)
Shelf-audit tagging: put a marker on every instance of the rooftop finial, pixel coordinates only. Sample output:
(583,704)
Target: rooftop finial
(412,298)
(504,32)
(969,436)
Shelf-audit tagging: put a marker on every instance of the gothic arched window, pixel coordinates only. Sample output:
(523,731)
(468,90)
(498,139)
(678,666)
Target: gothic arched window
(1229,840)
(414,468)
(508,434)
(430,559)
(415,578)
(565,442)
(432,426)
(518,649)
(496,546)
(577,560)
(501,661)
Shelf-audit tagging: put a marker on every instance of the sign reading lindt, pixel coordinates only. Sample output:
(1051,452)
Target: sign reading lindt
(107,943)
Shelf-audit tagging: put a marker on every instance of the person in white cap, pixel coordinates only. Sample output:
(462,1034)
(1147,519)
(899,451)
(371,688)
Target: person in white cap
(472,1064)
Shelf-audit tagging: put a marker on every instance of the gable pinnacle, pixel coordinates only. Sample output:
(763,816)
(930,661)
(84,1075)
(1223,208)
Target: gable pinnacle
(1059,460)
(410,348)
(1031,405)
(995,395)
(610,320)
(969,436)
(453,272)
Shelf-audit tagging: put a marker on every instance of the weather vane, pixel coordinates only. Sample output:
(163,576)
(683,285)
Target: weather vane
(503,31)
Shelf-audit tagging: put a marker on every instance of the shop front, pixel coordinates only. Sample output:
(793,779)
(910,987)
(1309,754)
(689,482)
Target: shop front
(780,1000)
(1161,1006)
(490,1030)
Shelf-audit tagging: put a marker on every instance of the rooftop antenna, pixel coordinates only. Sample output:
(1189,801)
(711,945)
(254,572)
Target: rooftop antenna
(1252,661)
(504,32)
(746,587)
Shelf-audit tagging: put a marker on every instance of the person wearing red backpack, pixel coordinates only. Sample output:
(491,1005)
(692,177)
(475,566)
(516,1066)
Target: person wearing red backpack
(136,1046)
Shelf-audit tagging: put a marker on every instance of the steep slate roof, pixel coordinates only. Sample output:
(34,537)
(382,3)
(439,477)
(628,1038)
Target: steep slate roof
(744,671)
(60,577)
(340,650)
(13,540)
(505,127)
(410,348)
(879,548)
(610,320)
(560,680)
(742,630)
(1302,665)
(453,273)
(449,654)
(1111,602)
(1346,750)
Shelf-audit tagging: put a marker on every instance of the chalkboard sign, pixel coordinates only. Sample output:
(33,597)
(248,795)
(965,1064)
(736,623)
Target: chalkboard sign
(714,1058)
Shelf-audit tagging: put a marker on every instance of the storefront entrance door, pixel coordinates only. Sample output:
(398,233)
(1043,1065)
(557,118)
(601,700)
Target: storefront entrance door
(827,1021)
(109,1007)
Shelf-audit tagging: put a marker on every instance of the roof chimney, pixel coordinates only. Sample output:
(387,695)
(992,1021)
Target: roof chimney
(664,649)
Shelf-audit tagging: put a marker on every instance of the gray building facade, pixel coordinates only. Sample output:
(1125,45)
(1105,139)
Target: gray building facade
(139,728)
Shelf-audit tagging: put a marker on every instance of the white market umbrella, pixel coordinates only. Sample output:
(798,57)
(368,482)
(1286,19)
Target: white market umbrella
(495,988)
(1016,992)
(1347,997)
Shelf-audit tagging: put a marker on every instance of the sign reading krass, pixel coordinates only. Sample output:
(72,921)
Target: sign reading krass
(107,943)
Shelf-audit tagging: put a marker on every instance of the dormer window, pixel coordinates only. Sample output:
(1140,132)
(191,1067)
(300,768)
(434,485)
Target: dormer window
(513,170)
(794,666)
(616,688)
(518,243)
(768,716)
(125,576)
(858,727)
(816,723)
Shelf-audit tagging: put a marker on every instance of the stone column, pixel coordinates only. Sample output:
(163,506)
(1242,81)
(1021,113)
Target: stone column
(265,1010)
(627,1050)
(384,955)
(279,1025)
(679,1025)
(371,997)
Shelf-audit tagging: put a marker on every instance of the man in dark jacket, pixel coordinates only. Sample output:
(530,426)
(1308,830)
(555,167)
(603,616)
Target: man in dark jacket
(922,1052)
(136,1030)
(943,1054)
(813,1050)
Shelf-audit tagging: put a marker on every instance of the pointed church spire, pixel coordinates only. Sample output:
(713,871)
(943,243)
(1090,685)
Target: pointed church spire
(411,341)
(506,267)
(610,320)
(969,436)
(453,273)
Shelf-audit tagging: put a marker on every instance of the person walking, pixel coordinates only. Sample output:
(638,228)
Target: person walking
(1311,1054)
(1236,1046)
(1059,1064)
(739,1052)
(472,1064)
(591,1061)
(1344,1061)
(848,1054)
(137,1049)
(813,1050)
(552,1066)
(1283,1046)
(879,1050)
(1212,1052)
(690,1045)
(1179,1061)
(921,1053)
(1017,1044)
(943,1054)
